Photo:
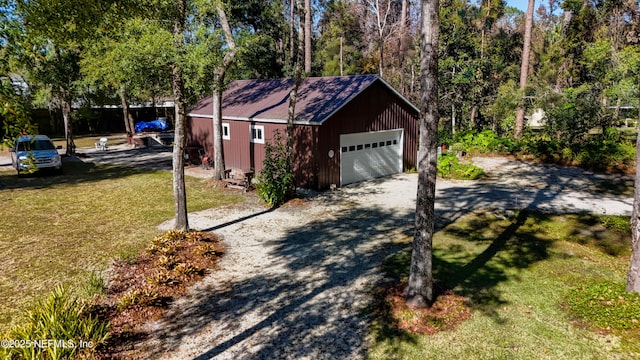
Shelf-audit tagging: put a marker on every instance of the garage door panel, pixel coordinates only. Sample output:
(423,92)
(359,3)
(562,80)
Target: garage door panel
(370,155)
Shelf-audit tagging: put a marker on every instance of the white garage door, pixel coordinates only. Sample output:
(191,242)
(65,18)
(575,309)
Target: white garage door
(370,155)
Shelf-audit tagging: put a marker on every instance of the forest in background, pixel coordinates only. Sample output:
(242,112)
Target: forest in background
(70,56)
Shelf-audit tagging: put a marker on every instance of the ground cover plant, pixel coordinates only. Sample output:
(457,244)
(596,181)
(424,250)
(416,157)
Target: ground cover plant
(537,286)
(450,167)
(60,230)
(61,317)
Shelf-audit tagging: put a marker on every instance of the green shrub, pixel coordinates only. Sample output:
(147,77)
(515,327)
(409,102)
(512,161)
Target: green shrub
(275,183)
(484,142)
(450,167)
(62,326)
(605,305)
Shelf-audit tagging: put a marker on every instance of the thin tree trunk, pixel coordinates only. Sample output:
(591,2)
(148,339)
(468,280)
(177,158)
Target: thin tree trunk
(472,117)
(126,114)
(179,189)
(68,127)
(524,68)
(419,291)
(381,63)
(341,64)
(218,84)
(633,278)
(293,95)
(453,119)
(453,107)
(292,34)
(307,37)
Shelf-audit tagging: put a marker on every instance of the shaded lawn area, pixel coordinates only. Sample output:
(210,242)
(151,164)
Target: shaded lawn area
(516,274)
(59,229)
(89,141)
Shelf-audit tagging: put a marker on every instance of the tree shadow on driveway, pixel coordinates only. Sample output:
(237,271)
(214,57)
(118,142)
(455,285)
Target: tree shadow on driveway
(307,302)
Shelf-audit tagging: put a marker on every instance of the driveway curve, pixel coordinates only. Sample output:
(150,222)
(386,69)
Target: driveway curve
(295,280)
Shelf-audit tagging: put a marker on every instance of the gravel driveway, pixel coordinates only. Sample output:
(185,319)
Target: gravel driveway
(296,279)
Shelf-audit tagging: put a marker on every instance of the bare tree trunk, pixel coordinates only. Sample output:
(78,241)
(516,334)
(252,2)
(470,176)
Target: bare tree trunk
(453,119)
(218,146)
(381,63)
(404,30)
(472,117)
(292,33)
(218,84)
(126,114)
(633,278)
(524,67)
(68,127)
(341,64)
(179,189)
(293,95)
(419,291)
(381,25)
(307,37)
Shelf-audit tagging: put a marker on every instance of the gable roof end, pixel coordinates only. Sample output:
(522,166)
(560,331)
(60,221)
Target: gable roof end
(268,100)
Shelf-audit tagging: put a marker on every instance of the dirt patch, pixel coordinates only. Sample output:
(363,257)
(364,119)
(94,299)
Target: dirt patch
(142,290)
(447,312)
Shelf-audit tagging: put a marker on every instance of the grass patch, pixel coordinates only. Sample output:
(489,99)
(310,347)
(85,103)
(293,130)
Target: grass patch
(60,229)
(518,272)
(606,305)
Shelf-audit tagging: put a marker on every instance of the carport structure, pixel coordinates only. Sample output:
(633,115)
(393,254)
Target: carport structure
(346,129)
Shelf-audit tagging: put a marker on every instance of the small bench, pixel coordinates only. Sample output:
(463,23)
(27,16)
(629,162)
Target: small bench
(239,179)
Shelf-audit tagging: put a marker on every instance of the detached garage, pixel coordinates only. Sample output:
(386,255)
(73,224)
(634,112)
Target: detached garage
(347,129)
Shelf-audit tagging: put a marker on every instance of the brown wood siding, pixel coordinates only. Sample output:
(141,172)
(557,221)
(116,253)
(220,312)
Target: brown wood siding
(240,152)
(305,161)
(200,133)
(375,109)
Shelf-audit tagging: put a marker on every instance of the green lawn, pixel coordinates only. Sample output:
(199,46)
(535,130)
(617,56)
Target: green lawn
(517,274)
(59,229)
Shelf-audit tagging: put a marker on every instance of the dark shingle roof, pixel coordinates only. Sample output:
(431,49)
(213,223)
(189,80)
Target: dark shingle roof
(268,100)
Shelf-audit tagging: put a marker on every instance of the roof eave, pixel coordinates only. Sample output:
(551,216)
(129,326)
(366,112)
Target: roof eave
(262,120)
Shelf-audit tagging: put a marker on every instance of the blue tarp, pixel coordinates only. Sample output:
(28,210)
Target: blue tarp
(153,125)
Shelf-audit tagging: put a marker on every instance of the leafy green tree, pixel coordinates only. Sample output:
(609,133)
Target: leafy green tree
(14,112)
(572,114)
(339,45)
(132,63)
(49,53)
